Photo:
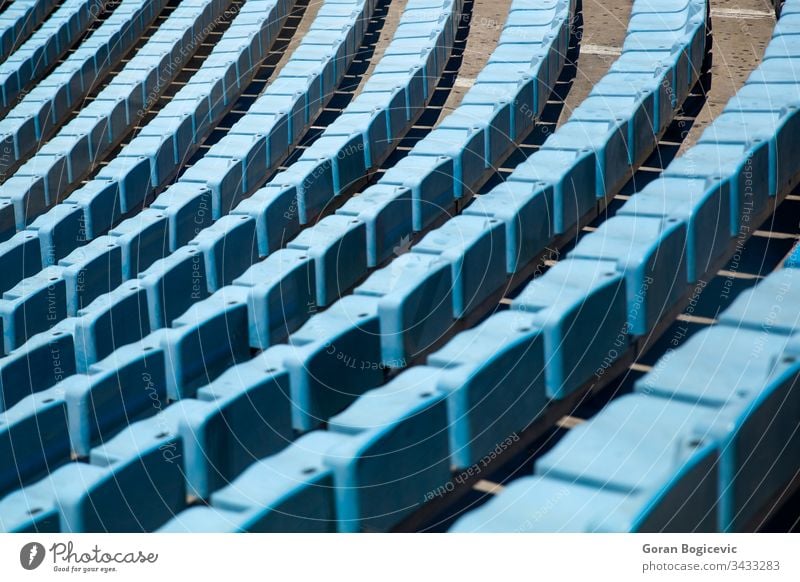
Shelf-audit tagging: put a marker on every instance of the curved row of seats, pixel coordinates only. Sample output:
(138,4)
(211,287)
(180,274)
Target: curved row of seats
(393,441)
(61,163)
(710,436)
(210,308)
(151,159)
(707,441)
(127,406)
(171,283)
(19,21)
(395,444)
(39,54)
(89,271)
(32,116)
(228,401)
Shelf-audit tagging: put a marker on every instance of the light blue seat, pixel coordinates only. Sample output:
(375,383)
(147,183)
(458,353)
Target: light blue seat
(34,438)
(414,305)
(128,384)
(580,305)
(493,378)
(332,359)
(649,252)
(280,296)
(210,336)
(245,415)
(396,453)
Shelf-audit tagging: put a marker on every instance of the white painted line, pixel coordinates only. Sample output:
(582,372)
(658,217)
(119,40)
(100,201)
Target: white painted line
(775,235)
(696,319)
(637,367)
(569,422)
(738,275)
(742,13)
(598,49)
(485,486)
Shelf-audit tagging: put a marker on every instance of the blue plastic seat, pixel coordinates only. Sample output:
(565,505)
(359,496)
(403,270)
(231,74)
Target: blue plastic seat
(174,284)
(572,507)
(493,377)
(34,438)
(33,306)
(140,484)
(414,305)
(702,204)
(41,362)
(91,271)
(245,415)
(571,173)
(132,173)
(580,305)
(475,248)
(387,213)
(187,206)
(109,322)
(143,238)
(291,491)
(280,296)
(397,452)
(229,247)
(332,359)
(432,184)
(730,163)
(100,206)
(206,339)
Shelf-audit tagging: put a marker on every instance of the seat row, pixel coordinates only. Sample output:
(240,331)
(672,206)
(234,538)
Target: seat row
(623,279)
(49,176)
(216,257)
(146,246)
(39,54)
(181,347)
(33,119)
(203,325)
(121,187)
(19,21)
(706,442)
(151,159)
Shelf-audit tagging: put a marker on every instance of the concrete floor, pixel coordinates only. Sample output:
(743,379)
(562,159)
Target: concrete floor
(740,35)
(604,25)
